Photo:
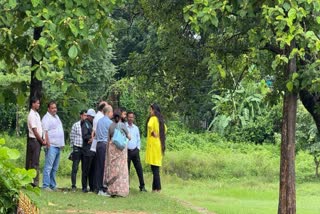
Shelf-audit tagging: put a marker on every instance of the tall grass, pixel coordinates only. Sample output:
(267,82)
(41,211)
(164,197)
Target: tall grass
(206,155)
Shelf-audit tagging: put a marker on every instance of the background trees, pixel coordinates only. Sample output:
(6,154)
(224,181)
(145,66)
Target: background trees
(220,66)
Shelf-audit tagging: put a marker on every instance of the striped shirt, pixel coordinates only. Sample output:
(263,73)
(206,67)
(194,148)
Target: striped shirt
(76,135)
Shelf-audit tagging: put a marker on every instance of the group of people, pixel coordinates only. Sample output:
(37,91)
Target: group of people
(104,166)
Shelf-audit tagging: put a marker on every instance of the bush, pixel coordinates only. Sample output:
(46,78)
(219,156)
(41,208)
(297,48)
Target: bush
(12,179)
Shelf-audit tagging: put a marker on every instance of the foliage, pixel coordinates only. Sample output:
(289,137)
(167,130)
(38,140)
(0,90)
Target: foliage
(244,114)
(157,49)
(308,136)
(12,179)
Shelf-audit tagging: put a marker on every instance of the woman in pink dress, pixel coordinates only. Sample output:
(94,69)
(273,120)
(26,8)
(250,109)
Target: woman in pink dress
(116,176)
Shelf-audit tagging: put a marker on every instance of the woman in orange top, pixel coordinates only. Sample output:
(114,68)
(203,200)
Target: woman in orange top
(156,146)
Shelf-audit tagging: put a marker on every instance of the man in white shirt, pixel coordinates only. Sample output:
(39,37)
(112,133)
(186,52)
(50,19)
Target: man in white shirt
(54,135)
(35,139)
(134,149)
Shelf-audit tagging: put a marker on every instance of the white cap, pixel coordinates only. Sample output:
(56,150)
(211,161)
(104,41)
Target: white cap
(91,112)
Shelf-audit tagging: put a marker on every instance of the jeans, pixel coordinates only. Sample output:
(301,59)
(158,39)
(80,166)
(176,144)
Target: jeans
(50,167)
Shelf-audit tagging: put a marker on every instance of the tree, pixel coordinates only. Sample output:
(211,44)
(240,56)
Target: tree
(53,35)
(287,29)
(159,51)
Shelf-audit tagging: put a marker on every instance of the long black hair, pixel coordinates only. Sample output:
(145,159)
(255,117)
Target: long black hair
(157,113)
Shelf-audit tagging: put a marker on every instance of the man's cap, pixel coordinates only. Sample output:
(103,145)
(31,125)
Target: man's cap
(91,112)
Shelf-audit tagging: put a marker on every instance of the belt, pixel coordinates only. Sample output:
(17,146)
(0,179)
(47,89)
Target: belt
(102,142)
(131,150)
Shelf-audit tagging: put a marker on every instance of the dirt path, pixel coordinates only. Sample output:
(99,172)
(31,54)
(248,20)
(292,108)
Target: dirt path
(195,208)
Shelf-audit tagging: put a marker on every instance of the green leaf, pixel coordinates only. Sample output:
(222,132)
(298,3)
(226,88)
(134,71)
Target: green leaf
(42,42)
(12,3)
(2,141)
(73,52)
(40,73)
(73,29)
(81,24)
(64,87)
(292,14)
(35,3)
(286,6)
(13,154)
(289,86)
(295,75)
(21,99)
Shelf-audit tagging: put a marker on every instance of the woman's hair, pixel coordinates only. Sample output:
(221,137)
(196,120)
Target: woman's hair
(117,116)
(158,114)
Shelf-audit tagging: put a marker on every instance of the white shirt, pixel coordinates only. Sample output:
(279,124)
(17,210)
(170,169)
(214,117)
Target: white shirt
(52,125)
(135,141)
(34,121)
(98,116)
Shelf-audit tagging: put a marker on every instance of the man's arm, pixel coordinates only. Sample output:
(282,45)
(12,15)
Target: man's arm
(47,139)
(73,135)
(39,138)
(138,139)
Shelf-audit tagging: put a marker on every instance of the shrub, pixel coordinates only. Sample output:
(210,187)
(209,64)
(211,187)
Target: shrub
(12,179)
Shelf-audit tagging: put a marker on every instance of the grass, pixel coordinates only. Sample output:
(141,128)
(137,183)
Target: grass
(250,196)
(243,196)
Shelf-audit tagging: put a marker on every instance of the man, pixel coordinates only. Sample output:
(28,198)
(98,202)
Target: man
(123,114)
(86,130)
(35,139)
(54,135)
(134,149)
(102,136)
(76,145)
(98,116)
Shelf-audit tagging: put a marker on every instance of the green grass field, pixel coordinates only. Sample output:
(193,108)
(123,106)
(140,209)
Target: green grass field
(182,196)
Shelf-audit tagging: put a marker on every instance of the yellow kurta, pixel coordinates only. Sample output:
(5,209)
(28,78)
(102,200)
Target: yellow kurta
(153,150)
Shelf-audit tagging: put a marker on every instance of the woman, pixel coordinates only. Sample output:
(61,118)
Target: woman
(156,145)
(116,176)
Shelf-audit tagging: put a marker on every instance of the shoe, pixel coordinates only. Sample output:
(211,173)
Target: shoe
(143,190)
(101,193)
(85,191)
(74,189)
(47,189)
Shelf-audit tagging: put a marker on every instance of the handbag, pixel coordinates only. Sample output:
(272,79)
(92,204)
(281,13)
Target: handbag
(119,138)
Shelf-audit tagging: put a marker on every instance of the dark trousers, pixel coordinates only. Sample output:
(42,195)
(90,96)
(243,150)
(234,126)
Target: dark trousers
(92,179)
(156,183)
(76,158)
(87,172)
(32,158)
(99,166)
(134,156)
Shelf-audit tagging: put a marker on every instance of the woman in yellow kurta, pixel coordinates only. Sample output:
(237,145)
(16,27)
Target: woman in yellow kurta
(156,130)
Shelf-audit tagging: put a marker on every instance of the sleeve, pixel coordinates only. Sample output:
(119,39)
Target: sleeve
(72,135)
(86,134)
(138,139)
(151,124)
(45,123)
(33,121)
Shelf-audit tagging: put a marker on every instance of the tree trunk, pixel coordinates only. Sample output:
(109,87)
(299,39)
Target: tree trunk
(35,84)
(287,192)
(311,102)
(17,121)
